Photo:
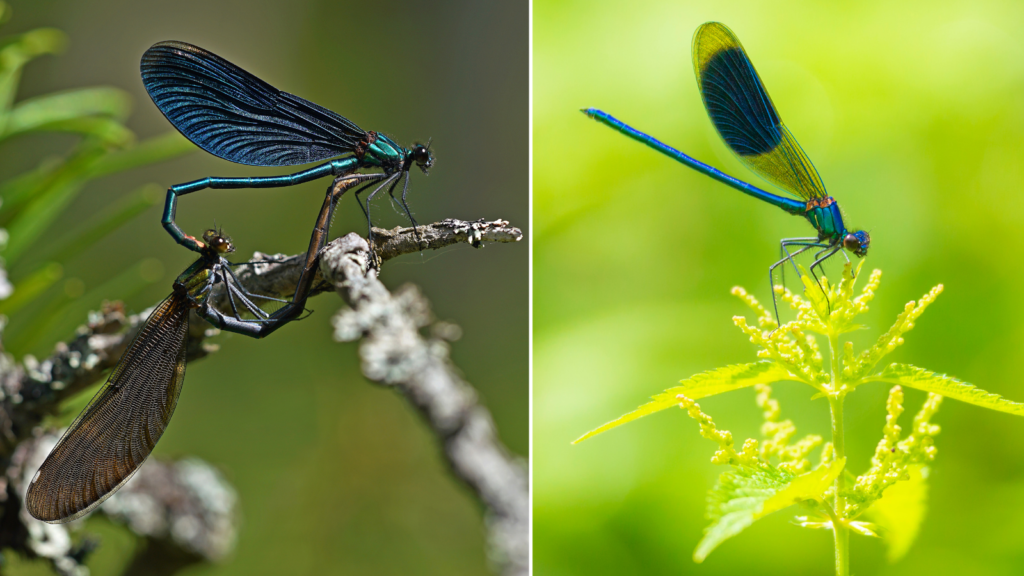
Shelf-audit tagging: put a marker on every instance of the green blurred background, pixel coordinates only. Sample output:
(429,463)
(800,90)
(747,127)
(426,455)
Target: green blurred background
(913,113)
(334,475)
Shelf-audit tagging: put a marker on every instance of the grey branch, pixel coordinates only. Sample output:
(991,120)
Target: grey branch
(398,241)
(393,353)
(276,275)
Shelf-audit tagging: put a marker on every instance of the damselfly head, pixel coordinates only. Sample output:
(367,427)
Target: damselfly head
(421,155)
(218,242)
(857,242)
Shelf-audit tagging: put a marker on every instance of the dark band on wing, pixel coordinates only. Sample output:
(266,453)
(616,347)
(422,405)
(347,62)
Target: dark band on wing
(738,104)
(744,115)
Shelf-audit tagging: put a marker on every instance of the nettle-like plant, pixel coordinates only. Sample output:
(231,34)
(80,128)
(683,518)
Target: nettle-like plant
(776,472)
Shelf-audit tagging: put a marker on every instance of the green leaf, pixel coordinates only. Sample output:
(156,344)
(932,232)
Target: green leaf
(702,385)
(17,51)
(809,486)
(744,495)
(738,496)
(53,109)
(944,385)
(108,130)
(158,148)
(84,164)
(901,511)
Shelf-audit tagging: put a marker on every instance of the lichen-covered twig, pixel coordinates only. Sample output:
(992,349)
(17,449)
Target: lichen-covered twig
(32,391)
(276,274)
(395,354)
(397,241)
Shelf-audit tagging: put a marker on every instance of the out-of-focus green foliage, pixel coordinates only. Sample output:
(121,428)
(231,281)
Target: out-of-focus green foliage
(30,202)
(912,114)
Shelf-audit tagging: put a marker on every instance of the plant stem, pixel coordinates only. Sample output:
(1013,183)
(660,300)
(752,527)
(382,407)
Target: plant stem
(839,529)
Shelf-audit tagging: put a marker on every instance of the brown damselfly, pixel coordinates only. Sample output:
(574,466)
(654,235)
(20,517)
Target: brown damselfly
(121,425)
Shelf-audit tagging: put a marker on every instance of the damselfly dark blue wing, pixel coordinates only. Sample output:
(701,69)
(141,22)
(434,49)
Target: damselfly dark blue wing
(232,114)
(115,433)
(745,116)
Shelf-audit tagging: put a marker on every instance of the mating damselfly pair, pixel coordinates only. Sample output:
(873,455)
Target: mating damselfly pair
(234,115)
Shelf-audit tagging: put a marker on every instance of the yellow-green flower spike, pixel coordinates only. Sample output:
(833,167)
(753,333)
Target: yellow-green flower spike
(893,338)
(764,318)
(726,453)
(894,457)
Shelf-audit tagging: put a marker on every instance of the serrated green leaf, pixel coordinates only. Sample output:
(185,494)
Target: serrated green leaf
(901,511)
(53,109)
(944,385)
(809,486)
(744,495)
(734,501)
(700,386)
